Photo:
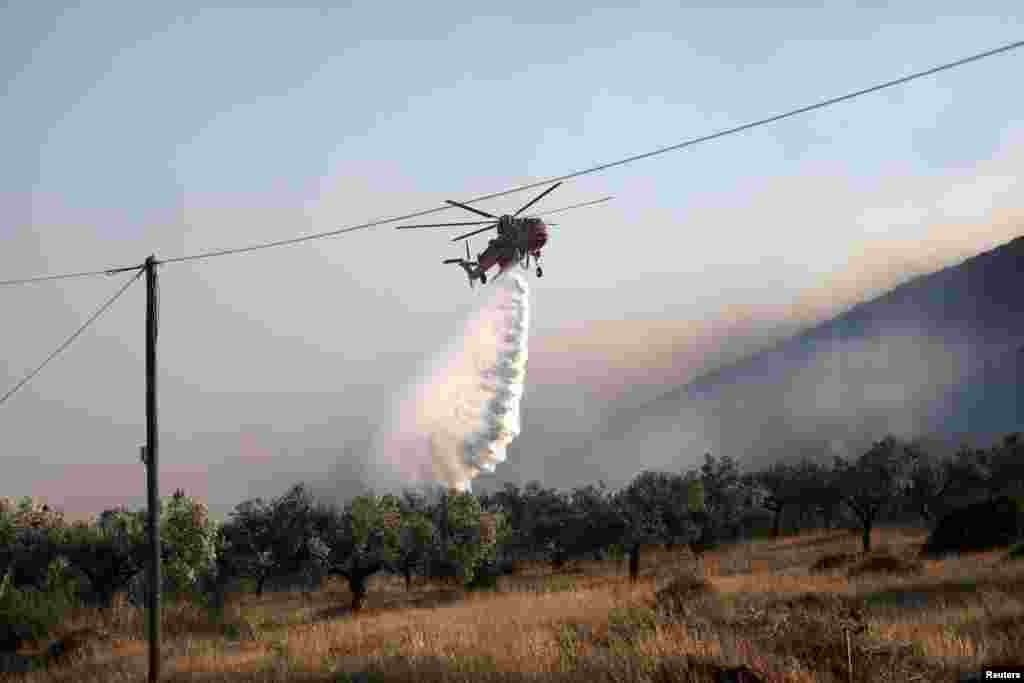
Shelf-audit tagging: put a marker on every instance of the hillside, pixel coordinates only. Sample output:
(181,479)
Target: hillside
(940,355)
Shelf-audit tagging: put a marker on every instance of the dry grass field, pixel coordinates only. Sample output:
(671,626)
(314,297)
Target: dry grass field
(761,604)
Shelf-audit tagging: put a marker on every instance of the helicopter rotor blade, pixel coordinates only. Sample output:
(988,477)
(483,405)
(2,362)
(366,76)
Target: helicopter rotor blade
(440,225)
(537,199)
(574,206)
(470,208)
(475,232)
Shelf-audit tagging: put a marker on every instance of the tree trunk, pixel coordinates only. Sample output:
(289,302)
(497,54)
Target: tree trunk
(104,588)
(558,561)
(828,513)
(634,562)
(705,540)
(260,581)
(218,593)
(866,513)
(926,513)
(777,522)
(106,595)
(357,584)
(407,570)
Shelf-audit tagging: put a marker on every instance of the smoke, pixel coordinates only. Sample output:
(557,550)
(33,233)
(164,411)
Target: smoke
(458,421)
(830,398)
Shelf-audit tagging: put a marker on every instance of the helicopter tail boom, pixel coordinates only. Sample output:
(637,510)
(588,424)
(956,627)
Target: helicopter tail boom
(472,272)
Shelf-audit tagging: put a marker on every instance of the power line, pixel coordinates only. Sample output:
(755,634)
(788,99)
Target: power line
(573,206)
(621,162)
(576,174)
(72,338)
(760,122)
(68,276)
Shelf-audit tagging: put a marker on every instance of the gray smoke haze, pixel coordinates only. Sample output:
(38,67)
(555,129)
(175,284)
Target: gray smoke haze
(830,399)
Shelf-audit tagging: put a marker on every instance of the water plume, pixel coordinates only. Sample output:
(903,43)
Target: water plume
(458,421)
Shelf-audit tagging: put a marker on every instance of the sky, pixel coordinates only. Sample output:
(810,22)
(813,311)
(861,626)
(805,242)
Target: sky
(133,129)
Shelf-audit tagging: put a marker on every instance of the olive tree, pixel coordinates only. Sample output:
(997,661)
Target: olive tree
(361,540)
(188,540)
(873,482)
(468,535)
(30,535)
(109,556)
(655,508)
(789,484)
(416,537)
(273,538)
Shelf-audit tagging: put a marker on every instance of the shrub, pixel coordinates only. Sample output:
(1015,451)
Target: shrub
(834,561)
(979,526)
(884,564)
(75,646)
(27,614)
(830,605)
(483,580)
(629,624)
(675,598)
(240,629)
(555,583)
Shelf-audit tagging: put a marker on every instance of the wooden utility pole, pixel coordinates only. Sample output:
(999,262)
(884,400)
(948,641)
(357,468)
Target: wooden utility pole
(152,473)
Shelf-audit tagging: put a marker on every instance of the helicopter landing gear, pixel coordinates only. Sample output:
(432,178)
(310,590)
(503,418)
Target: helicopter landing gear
(540,272)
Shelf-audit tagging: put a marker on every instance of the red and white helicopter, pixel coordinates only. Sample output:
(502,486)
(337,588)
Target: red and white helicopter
(518,238)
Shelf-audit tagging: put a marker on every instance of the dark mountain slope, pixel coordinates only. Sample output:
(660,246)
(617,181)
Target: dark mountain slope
(942,355)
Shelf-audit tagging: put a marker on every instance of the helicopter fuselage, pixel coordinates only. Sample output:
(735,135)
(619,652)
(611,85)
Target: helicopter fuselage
(518,238)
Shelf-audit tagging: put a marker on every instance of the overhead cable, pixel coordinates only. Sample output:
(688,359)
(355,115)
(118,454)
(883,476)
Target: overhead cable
(576,174)
(68,276)
(72,338)
(620,162)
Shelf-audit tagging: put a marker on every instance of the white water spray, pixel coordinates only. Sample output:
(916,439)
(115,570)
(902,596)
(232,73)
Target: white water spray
(458,421)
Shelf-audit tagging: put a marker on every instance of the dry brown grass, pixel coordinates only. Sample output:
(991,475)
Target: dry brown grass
(761,606)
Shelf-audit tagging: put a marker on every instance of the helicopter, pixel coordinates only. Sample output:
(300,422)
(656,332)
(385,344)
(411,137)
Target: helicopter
(518,240)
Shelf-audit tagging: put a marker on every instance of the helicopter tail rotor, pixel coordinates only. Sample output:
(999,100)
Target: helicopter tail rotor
(467,265)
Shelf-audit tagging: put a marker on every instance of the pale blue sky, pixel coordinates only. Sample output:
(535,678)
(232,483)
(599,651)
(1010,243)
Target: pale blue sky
(137,128)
